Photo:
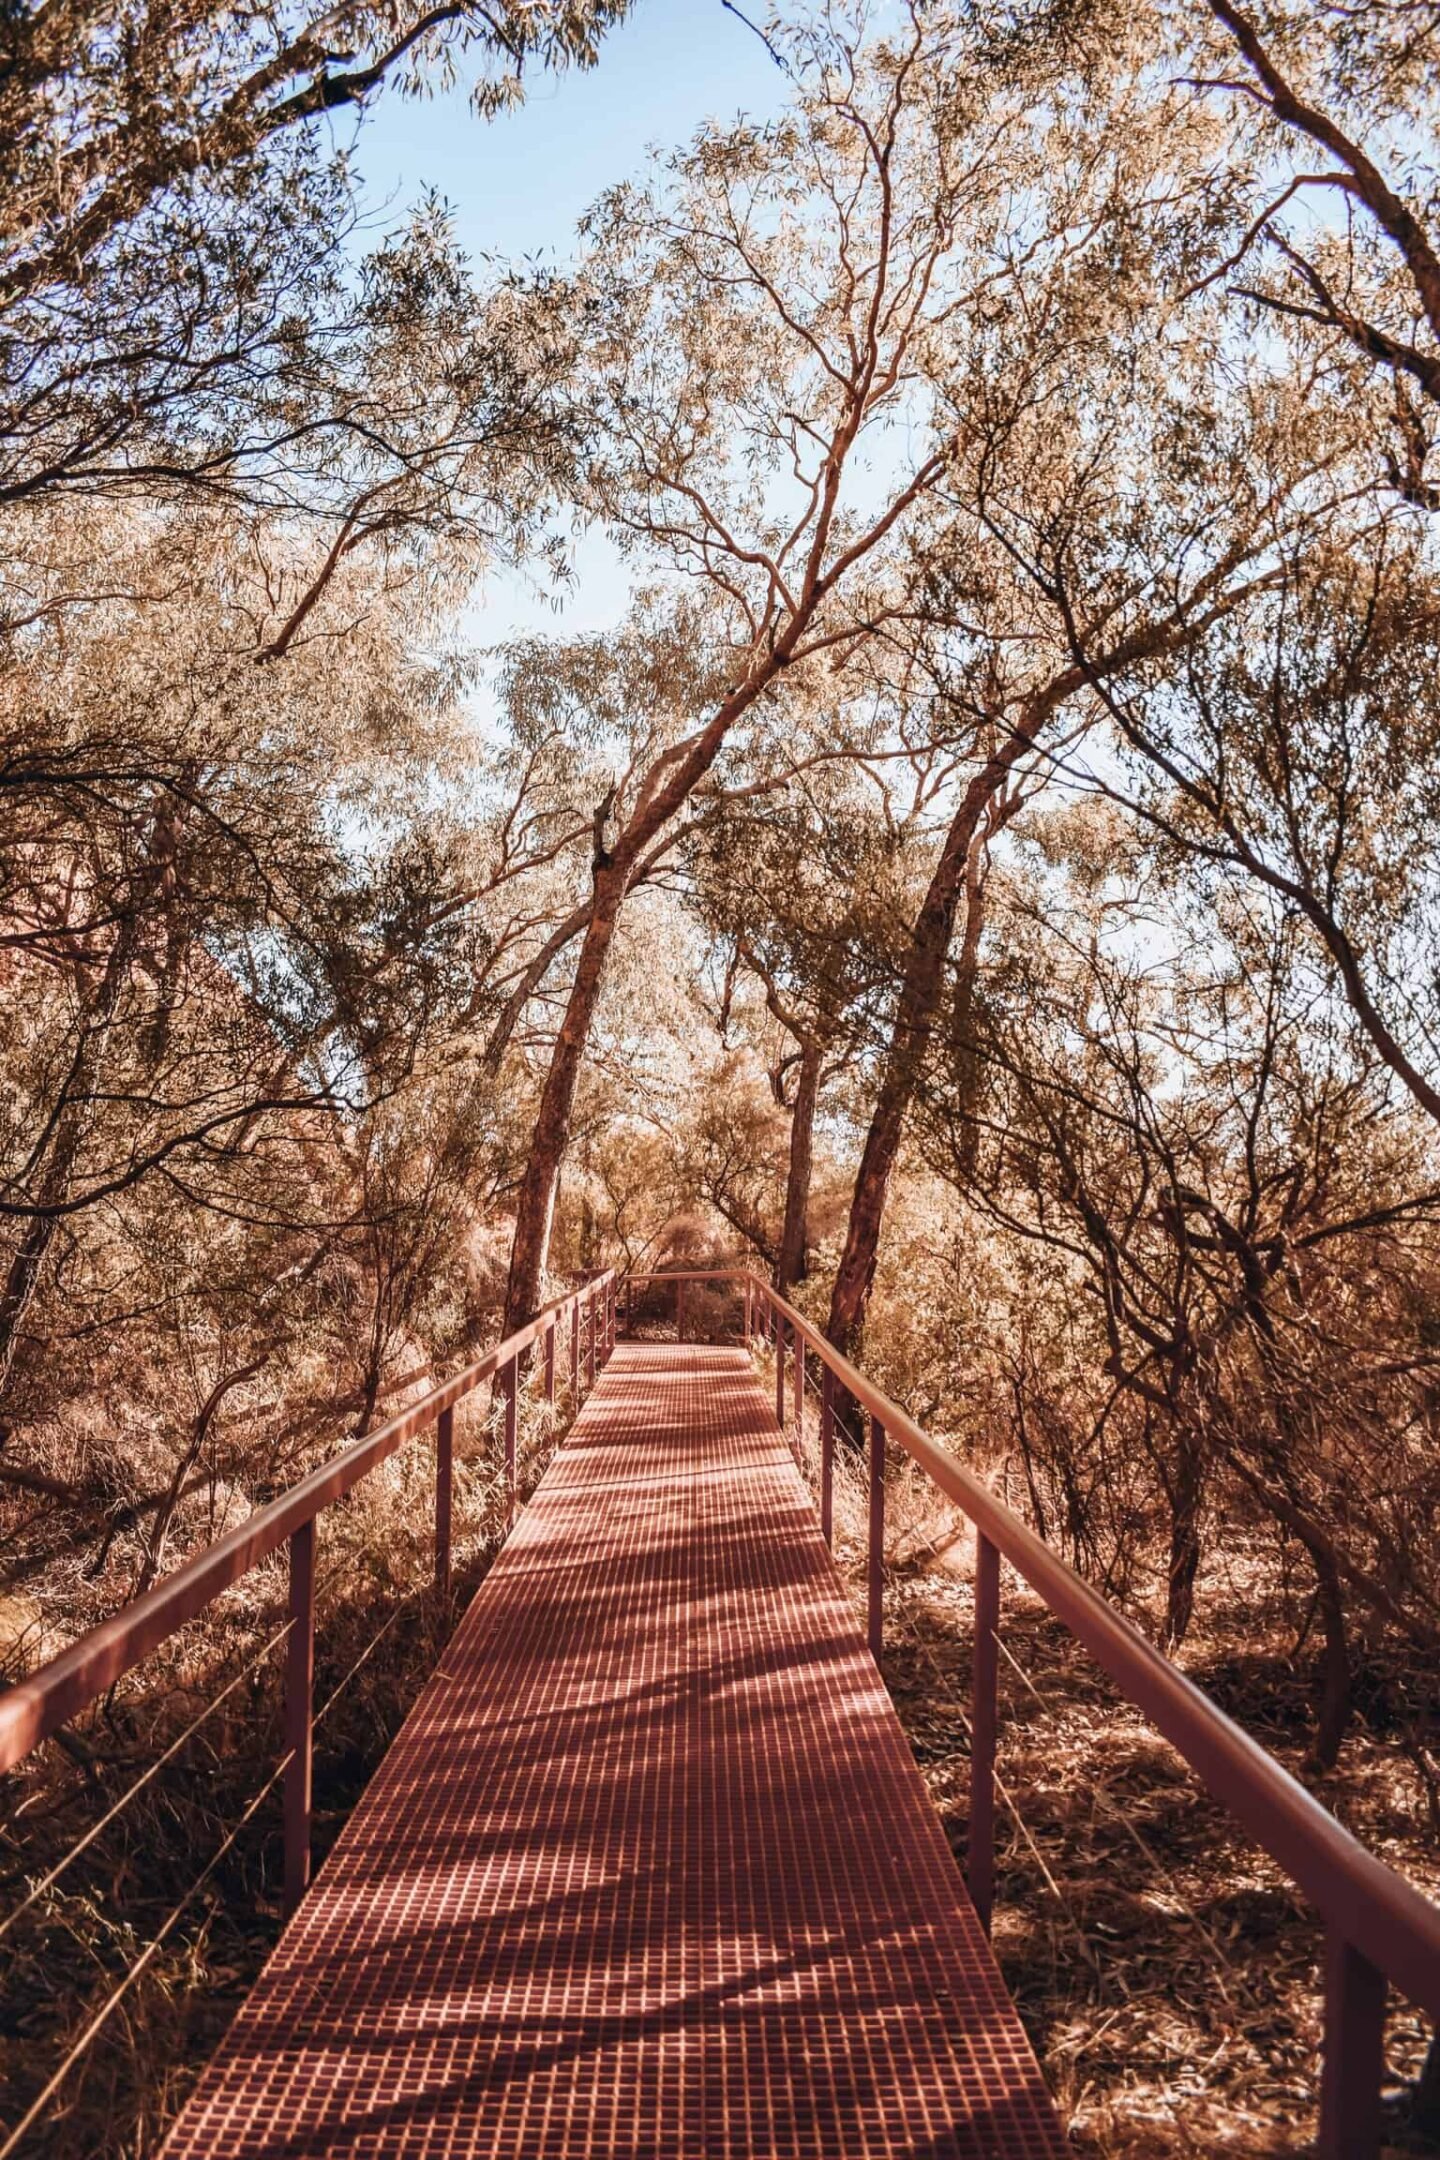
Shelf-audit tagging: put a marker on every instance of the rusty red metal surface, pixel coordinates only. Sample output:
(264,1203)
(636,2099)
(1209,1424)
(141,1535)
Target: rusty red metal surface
(649,1869)
(1379,1929)
(48,1698)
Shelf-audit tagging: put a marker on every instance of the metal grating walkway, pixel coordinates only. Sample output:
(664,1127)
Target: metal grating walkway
(649,1869)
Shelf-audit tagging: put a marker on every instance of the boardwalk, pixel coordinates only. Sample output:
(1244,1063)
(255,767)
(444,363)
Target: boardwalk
(649,1869)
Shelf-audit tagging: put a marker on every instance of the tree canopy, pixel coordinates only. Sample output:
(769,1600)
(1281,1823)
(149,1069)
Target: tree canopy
(987,878)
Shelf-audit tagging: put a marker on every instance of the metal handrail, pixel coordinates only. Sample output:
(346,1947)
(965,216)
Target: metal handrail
(1379,1926)
(48,1698)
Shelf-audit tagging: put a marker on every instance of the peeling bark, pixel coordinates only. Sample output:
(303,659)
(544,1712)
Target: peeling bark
(920,993)
(535,1210)
(794,1260)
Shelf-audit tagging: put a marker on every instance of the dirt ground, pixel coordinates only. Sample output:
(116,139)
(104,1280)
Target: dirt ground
(1166,1969)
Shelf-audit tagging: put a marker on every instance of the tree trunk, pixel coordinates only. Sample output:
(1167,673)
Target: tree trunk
(930,942)
(1333,1707)
(536,1206)
(666,788)
(914,1023)
(794,1261)
(964,1051)
(1185,1504)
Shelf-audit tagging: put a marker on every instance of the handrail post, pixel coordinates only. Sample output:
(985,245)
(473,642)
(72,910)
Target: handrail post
(512,1419)
(877,1538)
(444,1495)
(984,1713)
(574,1356)
(779,1373)
(748,1329)
(827,1455)
(550,1365)
(590,1324)
(797,1388)
(1354,2060)
(299,1698)
(680,1309)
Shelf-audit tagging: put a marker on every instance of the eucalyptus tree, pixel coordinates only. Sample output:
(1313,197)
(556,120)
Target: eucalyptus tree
(1112,493)
(1335,160)
(1238,1213)
(173,296)
(801,888)
(1297,750)
(753,323)
(223,894)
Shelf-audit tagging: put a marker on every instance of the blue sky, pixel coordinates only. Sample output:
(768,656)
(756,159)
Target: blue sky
(517,186)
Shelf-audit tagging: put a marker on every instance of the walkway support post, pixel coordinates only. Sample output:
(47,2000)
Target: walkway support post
(299,1698)
(984,1716)
(797,1376)
(511,1386)
(779,1373)
(444,1497)
(877,1538)
(1354,2059)
(827,1456)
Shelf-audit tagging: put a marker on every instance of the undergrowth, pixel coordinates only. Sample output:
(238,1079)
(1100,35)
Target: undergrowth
(1167,1971)
(194,1861)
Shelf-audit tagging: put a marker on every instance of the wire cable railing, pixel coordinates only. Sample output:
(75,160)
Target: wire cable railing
(138,1785)
(41,1704)
(1379,1929)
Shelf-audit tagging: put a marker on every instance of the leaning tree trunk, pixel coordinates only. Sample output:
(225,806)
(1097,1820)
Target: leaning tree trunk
(662,794)
(920,993)
(1186,1505)
(536,1206)
(965,1051)
(930,943)
(793,1263)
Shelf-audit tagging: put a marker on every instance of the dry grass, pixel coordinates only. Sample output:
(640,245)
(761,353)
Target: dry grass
(379,1628)
(1167,1971)
(1167,1974)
